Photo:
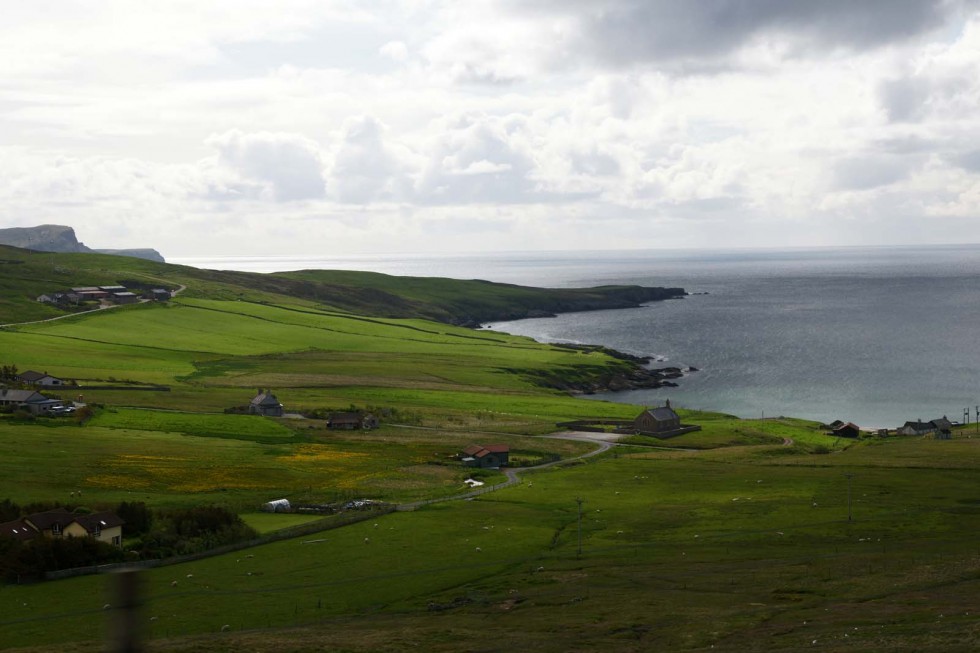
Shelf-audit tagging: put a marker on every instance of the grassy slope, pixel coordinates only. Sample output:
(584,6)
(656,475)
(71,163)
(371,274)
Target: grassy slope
(755,554)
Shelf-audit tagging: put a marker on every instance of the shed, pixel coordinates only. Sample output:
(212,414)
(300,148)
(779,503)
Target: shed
(847,430)
(125,297)
(490,456)
(344,421)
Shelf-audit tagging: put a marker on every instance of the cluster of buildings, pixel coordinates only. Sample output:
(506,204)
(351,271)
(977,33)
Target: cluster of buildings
(941,429)
(266,404)
(103,526)
(99,294)
(32,400)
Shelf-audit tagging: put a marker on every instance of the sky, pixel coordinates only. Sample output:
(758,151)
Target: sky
(306,127)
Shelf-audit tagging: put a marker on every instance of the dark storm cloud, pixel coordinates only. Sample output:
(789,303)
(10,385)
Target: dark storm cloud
(623,32)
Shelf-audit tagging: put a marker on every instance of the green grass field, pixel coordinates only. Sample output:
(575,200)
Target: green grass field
(760,547)
(734,538)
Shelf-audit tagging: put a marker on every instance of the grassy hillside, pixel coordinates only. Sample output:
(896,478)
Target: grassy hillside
(736,537)
(24,275)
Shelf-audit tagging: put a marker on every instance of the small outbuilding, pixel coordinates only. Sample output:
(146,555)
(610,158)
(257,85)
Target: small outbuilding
(351,421)
(847,430)
(125,297)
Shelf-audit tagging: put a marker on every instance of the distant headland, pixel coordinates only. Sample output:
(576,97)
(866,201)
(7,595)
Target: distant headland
(61,238)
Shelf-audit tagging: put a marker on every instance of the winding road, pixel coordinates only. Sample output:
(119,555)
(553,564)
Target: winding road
(513,474)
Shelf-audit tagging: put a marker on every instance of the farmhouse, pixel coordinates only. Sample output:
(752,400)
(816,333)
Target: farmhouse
(30,377)
(265,403)
(31,400)
(103,526)
(491,456)
(936,427)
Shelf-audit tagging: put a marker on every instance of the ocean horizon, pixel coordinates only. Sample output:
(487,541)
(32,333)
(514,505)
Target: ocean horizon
(872,335)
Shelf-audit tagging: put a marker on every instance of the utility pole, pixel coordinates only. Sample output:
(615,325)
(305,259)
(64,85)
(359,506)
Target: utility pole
(580,501)
(849,477)
(977,420)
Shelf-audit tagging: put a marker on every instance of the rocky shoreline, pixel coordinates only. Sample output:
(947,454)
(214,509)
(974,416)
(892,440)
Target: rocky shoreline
(633,373)
(638,375)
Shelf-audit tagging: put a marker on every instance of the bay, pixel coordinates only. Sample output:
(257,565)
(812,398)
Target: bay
(876,336)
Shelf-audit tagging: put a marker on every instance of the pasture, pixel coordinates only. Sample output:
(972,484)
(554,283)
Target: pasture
(680,551)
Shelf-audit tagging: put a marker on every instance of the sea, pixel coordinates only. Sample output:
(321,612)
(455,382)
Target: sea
(871,335)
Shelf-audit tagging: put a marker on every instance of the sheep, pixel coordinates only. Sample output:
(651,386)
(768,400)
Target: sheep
(173,583)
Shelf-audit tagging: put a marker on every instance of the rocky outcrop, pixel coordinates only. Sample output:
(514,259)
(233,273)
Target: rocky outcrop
(60,238)
(633,373)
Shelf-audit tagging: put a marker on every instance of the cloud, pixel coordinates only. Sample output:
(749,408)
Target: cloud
(288,165)
(510,40)
(868,172)
(366,168)
(479,158)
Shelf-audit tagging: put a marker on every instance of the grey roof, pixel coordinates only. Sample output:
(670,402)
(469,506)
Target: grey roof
(31,376)
(265,399)
(23,396)
(662,414)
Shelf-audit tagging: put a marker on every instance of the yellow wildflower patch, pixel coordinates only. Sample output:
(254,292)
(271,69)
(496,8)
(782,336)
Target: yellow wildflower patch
(320,454)
(117,482)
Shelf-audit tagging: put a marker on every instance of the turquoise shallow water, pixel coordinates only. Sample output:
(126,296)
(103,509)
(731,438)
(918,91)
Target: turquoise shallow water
(870,335)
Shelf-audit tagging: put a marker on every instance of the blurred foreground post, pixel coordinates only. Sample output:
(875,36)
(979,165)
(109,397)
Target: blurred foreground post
(124,629)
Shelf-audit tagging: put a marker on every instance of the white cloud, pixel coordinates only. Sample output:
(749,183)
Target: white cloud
(379,124)
(289,165)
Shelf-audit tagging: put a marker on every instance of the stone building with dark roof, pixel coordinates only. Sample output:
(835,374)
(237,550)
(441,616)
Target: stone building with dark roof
(265,403)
